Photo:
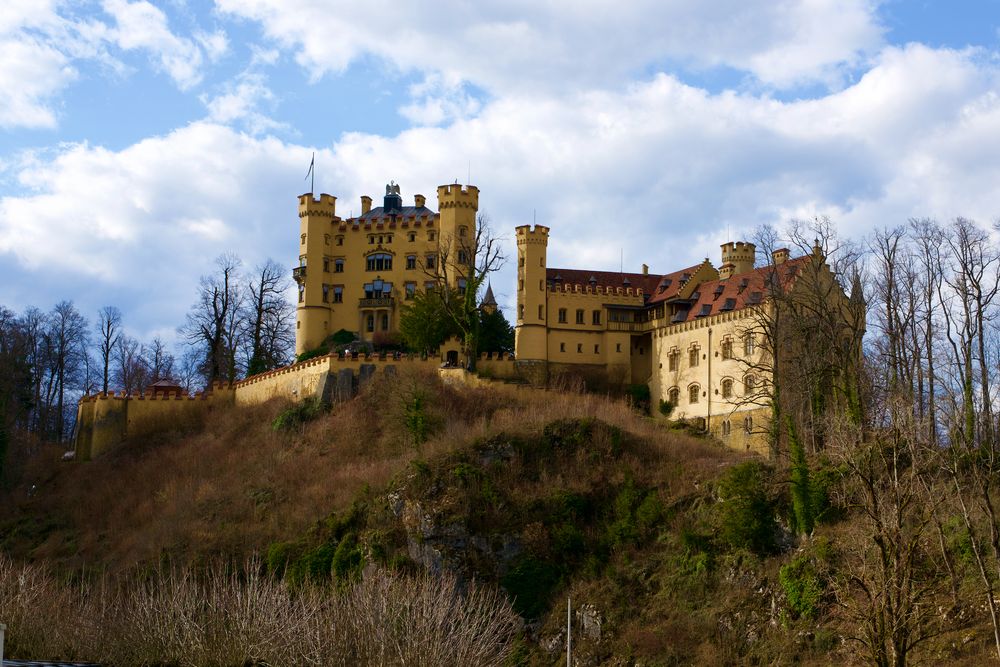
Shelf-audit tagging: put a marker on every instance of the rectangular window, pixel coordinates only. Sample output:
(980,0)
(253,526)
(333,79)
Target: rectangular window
(326,265)
(340,240)
(370,323)
(411,261)
(673,360)
(562,316)
(562,347)
(727,349)
(385,322)
(462,257)
(579,317)
(302,293)
(379,262)
(338,266)
(541,313)
(338,294)
(748,344)
(693,357)
(326,294)
(411,289)
(579,347)
(461,289)
(596,317)
(618,347)
(429,285)
(597,349)
(431,261)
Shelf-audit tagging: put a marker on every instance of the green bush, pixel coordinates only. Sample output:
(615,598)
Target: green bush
(666,408)
(746,513)
(416,420)
(530,582)
(639,396)
(803,587)
(348,560)
(299,414)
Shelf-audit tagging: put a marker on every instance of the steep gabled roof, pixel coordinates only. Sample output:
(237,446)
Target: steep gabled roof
(742,289)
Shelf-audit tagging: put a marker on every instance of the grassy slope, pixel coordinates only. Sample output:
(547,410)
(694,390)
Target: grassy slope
(548,493)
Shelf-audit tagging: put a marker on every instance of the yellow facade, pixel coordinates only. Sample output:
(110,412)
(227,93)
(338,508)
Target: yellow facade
(355,272)
(693,336)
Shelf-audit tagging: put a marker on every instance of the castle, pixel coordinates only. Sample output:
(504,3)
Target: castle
(354,273)
(698,337)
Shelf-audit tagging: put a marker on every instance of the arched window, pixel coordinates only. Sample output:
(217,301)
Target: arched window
(748,344)
(463,231)
(727,388)
(748,424)
(673,359)
(694,393)
(379,261)
(749,384)
(674,395)
(694,354)
(727,348)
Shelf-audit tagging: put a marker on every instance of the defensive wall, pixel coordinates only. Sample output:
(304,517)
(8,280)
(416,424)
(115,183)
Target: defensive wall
(106,420)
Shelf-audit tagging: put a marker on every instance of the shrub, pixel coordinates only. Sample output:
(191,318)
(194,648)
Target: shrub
(666,408)
(746,513)
(530,582)
(416,420)
(639,396)
(803,587)
(299,414)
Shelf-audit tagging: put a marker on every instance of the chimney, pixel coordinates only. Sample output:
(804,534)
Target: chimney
(779,256)
(366,204)
(419,200)
(645,270)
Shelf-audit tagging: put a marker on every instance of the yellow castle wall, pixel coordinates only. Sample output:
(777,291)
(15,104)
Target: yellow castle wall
(325,238)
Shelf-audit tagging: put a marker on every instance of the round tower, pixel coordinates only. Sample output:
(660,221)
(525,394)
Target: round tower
(312,315)
(530,332)
(737,257)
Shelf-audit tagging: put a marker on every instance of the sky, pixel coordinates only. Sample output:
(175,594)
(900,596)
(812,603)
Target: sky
(140,140)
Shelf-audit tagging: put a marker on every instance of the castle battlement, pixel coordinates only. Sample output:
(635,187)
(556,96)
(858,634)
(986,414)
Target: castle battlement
(325,206)
(458,196)
(525,234)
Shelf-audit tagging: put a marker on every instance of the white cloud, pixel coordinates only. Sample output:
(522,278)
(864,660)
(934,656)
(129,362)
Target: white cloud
(240,102)
(658,170)
(510,46)
(140,25)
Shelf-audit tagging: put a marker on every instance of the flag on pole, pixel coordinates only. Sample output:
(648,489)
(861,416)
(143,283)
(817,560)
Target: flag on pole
(312,173)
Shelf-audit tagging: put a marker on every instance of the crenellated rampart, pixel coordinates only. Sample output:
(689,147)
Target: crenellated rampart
(106,420)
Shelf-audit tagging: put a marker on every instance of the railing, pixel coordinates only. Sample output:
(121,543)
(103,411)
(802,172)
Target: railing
(384,302)
(630,326)
(299,273)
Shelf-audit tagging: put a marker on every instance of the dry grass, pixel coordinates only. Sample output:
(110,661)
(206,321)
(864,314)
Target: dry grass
(237,485)
(227,617)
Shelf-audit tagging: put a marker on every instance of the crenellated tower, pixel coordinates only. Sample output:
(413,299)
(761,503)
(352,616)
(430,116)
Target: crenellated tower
(530,341)
(317,218)
(737,257)
(457,207)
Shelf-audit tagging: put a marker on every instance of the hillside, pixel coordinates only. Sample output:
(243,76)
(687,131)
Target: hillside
(674,550)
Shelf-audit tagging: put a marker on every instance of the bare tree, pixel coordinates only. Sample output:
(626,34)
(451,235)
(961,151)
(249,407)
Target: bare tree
(268,320)
(464,264)
(130,368)
(212,324)
(66,343)
(109,330)
(158,360)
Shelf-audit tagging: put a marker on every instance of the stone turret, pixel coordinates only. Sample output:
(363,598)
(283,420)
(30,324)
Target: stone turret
(737,257)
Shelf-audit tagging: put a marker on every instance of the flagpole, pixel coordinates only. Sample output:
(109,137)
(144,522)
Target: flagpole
(312,173)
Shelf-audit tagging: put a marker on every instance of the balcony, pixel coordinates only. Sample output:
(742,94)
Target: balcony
(299,274)
(630,326)
(383,302)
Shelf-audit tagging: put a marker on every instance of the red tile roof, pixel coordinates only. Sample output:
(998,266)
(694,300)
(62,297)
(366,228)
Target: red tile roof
(713,296)
(740,290)
(605,279)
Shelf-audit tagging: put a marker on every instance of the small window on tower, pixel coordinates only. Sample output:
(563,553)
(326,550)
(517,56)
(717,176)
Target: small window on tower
(562,316)
(541,312)
(303,238)
(411,237)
